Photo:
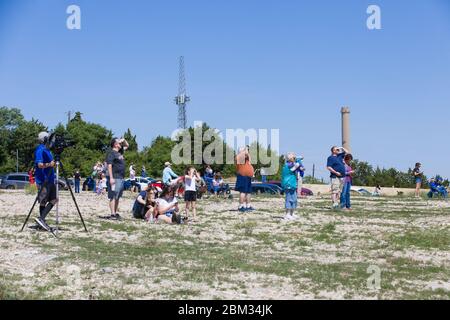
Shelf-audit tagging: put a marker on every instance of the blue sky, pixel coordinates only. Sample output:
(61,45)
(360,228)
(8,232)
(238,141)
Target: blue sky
(250,64)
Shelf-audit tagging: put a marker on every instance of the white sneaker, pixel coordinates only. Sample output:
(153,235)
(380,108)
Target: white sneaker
(287,217)
(294,216)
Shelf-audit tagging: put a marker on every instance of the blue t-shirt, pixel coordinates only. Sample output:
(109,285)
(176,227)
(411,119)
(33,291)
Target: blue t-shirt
(288,177)
(137,207)
(43,155)
(337,163)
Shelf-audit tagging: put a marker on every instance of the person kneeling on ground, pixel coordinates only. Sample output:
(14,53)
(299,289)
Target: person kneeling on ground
(145,204)
(167,209)
(290,183)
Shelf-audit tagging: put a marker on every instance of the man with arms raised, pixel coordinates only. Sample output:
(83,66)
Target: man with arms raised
(336,166)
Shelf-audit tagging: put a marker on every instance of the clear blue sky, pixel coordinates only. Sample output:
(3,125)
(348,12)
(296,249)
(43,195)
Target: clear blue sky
(250,64)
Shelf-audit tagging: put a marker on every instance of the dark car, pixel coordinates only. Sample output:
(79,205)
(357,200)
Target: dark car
(14,181)
(266,188)
(305,191)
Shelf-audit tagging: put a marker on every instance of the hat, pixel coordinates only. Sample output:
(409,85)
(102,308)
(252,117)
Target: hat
(42,136)
(167,164)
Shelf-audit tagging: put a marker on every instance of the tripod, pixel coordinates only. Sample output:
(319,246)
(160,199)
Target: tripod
(58,166)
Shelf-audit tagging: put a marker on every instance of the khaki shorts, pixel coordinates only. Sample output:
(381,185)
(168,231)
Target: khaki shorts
(336,185)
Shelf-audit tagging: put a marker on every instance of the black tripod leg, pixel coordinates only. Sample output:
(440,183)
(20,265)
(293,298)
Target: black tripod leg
(73,196)
(29,213)
(32,208)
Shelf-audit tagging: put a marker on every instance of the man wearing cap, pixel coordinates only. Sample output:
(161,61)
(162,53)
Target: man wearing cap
(45,179)
(168,174)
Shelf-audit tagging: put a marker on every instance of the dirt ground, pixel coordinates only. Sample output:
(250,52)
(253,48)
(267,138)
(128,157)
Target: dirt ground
(386,248)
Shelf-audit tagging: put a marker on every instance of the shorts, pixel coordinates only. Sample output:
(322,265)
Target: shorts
(337,184)
(47,194)
(291,199)
(418,180)
(116,192)
(190,196)
(243,184)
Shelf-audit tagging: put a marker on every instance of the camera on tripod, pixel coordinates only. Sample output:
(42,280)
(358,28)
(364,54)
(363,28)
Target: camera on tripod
(57,143)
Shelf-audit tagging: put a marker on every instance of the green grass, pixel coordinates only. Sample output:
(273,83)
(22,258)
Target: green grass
(323,252)
(424,239)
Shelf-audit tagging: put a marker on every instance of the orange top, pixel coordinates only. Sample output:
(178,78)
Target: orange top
(244,167)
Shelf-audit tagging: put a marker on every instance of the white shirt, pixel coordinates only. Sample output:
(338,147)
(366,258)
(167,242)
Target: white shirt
(190,183)
(163,203)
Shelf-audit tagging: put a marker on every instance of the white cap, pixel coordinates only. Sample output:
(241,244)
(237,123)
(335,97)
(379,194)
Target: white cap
(167,164)
(42,136)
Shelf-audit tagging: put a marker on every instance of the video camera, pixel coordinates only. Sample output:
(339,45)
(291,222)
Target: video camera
(57,143)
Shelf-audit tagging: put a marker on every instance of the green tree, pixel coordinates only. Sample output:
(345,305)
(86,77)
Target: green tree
(24,140)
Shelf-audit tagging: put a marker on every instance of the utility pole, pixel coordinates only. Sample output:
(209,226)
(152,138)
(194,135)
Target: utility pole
(182,99)
(314,171)
(69,116)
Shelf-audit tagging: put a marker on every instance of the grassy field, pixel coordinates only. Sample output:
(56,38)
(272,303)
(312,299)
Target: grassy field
(325,254)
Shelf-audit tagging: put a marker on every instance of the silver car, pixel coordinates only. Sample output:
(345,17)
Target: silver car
(14,181)
(20,180)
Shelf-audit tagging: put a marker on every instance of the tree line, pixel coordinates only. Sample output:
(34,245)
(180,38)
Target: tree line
(91,141)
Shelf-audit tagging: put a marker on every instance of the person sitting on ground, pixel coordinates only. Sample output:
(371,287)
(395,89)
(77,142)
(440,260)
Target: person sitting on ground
(169,177)
(145,204)
(377,191)
(218,184)
(167,209)
(209,173)
(102,185)
(437,188)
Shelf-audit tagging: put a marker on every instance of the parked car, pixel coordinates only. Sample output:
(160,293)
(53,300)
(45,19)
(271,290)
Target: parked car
(141,183)
(266,188)
(14,181)
(305,191)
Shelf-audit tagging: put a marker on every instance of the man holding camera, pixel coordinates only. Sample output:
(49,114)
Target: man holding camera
(45,179)
(115,174)
(336,166)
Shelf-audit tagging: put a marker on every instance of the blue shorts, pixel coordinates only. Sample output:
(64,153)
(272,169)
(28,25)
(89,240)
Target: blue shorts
(418,180)
(291,199)
(243,184)
(114,192)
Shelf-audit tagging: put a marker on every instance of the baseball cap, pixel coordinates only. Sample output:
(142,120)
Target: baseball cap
(167,164)
(42,136)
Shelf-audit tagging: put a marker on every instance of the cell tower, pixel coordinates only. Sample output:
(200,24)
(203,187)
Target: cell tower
(182,99)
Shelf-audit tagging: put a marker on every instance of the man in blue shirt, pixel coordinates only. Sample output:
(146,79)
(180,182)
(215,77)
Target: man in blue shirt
(168,175)
(45,179)
(336,166)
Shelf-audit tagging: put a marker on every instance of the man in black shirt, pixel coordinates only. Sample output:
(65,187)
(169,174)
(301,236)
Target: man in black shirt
(115,174)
